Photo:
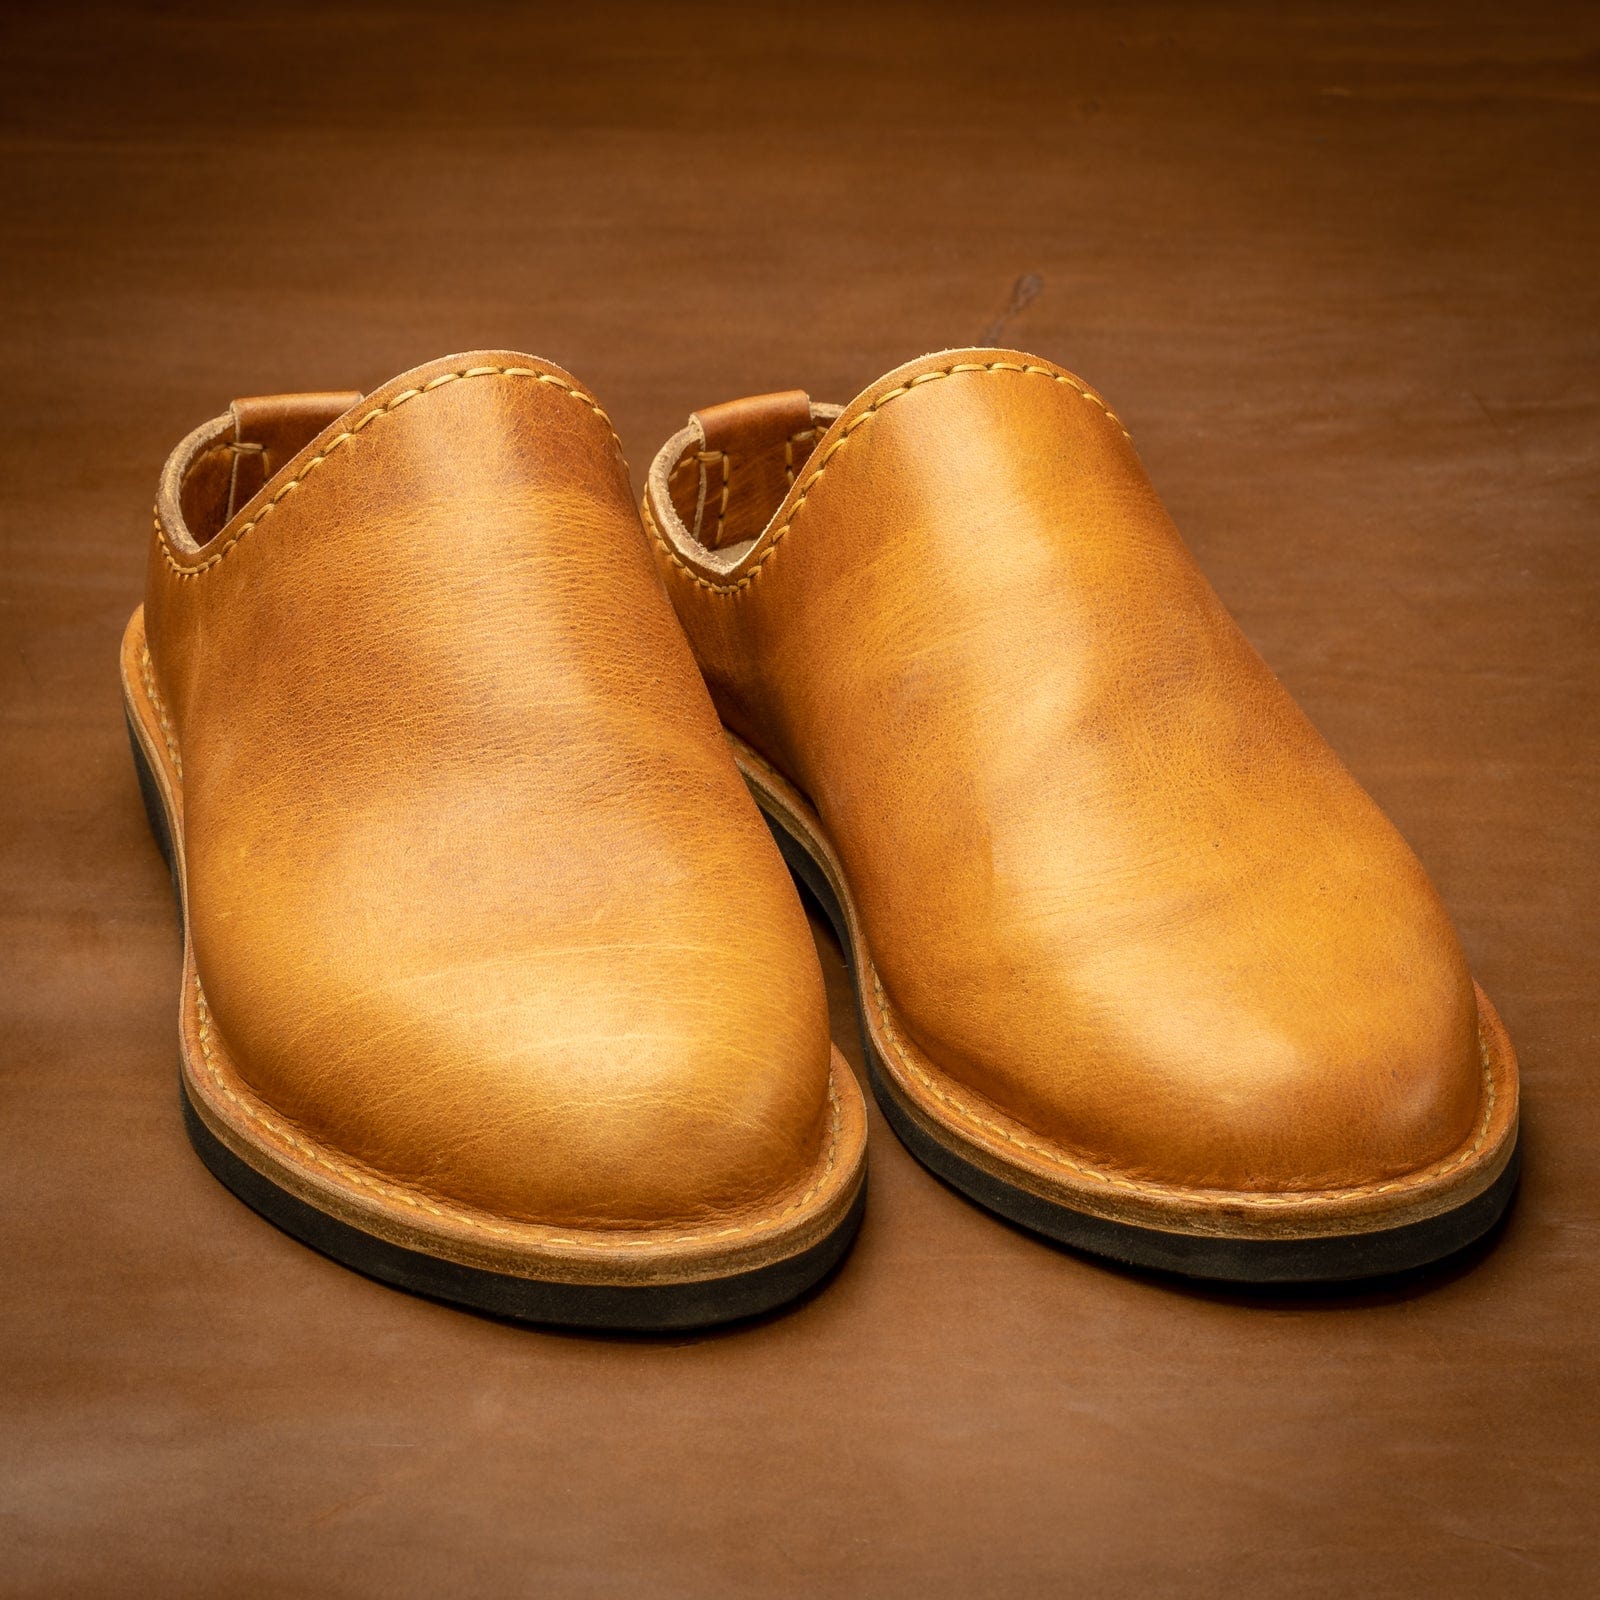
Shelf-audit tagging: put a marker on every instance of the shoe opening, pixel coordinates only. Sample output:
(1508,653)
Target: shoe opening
(721,479)
(224,463)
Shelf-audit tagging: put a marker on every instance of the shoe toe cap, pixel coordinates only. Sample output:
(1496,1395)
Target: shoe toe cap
(1271,1075)
(546,1091)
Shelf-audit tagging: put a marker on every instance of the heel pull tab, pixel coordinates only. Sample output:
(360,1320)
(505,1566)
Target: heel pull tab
(269,429)
(753,448)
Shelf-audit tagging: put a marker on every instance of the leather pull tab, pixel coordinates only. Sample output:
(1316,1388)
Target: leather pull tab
(269,429)
(749,426)
(283,424)
(752,450)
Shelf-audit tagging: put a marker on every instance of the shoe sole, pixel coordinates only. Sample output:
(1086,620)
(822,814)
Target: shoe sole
(639,1306)
(1317,1258)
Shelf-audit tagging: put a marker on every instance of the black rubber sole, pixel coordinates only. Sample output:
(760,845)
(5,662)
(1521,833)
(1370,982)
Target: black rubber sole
(639,1308)
(1333,1259)
(634,1308)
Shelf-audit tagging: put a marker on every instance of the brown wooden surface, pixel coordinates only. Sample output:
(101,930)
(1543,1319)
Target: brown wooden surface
(1337,268)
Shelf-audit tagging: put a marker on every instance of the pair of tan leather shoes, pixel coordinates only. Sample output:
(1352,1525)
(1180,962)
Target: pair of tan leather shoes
(496,987)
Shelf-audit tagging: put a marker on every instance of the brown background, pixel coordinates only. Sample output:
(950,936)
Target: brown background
(1338,268)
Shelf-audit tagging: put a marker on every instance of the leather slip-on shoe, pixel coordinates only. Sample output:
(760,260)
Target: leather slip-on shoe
(1140,966)
(494,986)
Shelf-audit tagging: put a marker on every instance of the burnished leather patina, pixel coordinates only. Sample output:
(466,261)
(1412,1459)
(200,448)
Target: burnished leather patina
(492,973)
(1139,960)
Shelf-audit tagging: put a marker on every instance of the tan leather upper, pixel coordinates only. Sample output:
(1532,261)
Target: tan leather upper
(1110,876)
(476,896)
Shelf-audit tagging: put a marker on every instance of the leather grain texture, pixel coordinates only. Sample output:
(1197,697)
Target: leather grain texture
(1123,916)
(1337,267)
(485,948)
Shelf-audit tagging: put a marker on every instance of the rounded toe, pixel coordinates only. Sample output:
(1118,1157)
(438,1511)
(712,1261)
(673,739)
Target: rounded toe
(1276,1091)
(1337,1101)
(655,1125)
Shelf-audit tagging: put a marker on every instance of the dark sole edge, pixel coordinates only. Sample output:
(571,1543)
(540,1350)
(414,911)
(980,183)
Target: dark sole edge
(629,1308)
(1332,1259)
(636,1308)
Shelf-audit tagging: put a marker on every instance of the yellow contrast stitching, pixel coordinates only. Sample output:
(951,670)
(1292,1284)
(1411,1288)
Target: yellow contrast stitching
(722,509)
(148,673)
(1100,1175)
(340,440)
(788,451)
(740,584)
(404,1197)
(701,459)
